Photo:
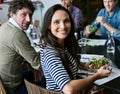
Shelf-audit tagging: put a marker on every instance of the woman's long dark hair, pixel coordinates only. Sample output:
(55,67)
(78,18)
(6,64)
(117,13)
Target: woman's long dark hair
(70,42)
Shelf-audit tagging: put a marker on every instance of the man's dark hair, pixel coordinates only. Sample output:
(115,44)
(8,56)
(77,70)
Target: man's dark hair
(16,5)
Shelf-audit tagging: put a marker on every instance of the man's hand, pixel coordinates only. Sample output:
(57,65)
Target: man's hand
(90,29)
(100,19)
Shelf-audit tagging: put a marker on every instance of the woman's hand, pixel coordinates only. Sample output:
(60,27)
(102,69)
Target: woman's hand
(104,71)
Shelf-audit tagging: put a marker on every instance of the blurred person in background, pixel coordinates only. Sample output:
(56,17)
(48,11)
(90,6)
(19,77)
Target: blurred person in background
(108,20)
(76,15)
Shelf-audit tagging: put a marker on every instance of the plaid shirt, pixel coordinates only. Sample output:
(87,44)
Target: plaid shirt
(77,17)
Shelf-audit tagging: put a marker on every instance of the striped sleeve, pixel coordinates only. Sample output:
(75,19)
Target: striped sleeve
(54,71)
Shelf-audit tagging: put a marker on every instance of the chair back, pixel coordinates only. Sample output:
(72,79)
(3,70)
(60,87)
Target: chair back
(35,89)
(2,89)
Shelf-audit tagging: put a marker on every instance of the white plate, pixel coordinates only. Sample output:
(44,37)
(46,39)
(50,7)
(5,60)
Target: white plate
(96,42)
(86,57)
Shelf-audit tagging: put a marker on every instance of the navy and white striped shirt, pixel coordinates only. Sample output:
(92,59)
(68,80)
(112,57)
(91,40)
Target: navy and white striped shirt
(54,71)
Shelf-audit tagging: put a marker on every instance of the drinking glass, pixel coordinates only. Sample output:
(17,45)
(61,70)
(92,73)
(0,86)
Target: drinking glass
(83,39)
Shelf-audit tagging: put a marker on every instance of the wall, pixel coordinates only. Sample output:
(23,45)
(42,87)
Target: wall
(42,8)
(49,3)
(3,13)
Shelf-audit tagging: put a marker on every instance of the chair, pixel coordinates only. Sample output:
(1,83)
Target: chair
(35,89)
(2,89)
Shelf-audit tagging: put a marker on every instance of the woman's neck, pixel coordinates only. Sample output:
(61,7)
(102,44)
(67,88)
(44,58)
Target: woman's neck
(61,42)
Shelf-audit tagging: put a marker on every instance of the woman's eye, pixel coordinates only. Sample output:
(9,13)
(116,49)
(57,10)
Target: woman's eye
(67,21)
(56,22)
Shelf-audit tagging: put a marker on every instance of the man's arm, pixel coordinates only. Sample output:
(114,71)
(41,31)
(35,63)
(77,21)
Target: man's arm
(23,47)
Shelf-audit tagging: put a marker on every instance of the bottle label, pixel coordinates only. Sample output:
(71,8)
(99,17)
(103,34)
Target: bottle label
(92,28)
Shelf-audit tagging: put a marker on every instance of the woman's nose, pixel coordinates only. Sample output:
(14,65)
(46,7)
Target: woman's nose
(62,25)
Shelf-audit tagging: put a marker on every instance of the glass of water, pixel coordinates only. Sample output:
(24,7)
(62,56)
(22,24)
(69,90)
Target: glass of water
(83,39)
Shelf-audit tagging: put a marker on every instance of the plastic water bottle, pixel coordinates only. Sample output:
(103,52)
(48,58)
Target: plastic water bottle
(110,44)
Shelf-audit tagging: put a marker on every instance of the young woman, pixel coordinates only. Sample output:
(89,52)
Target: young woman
(59,53)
